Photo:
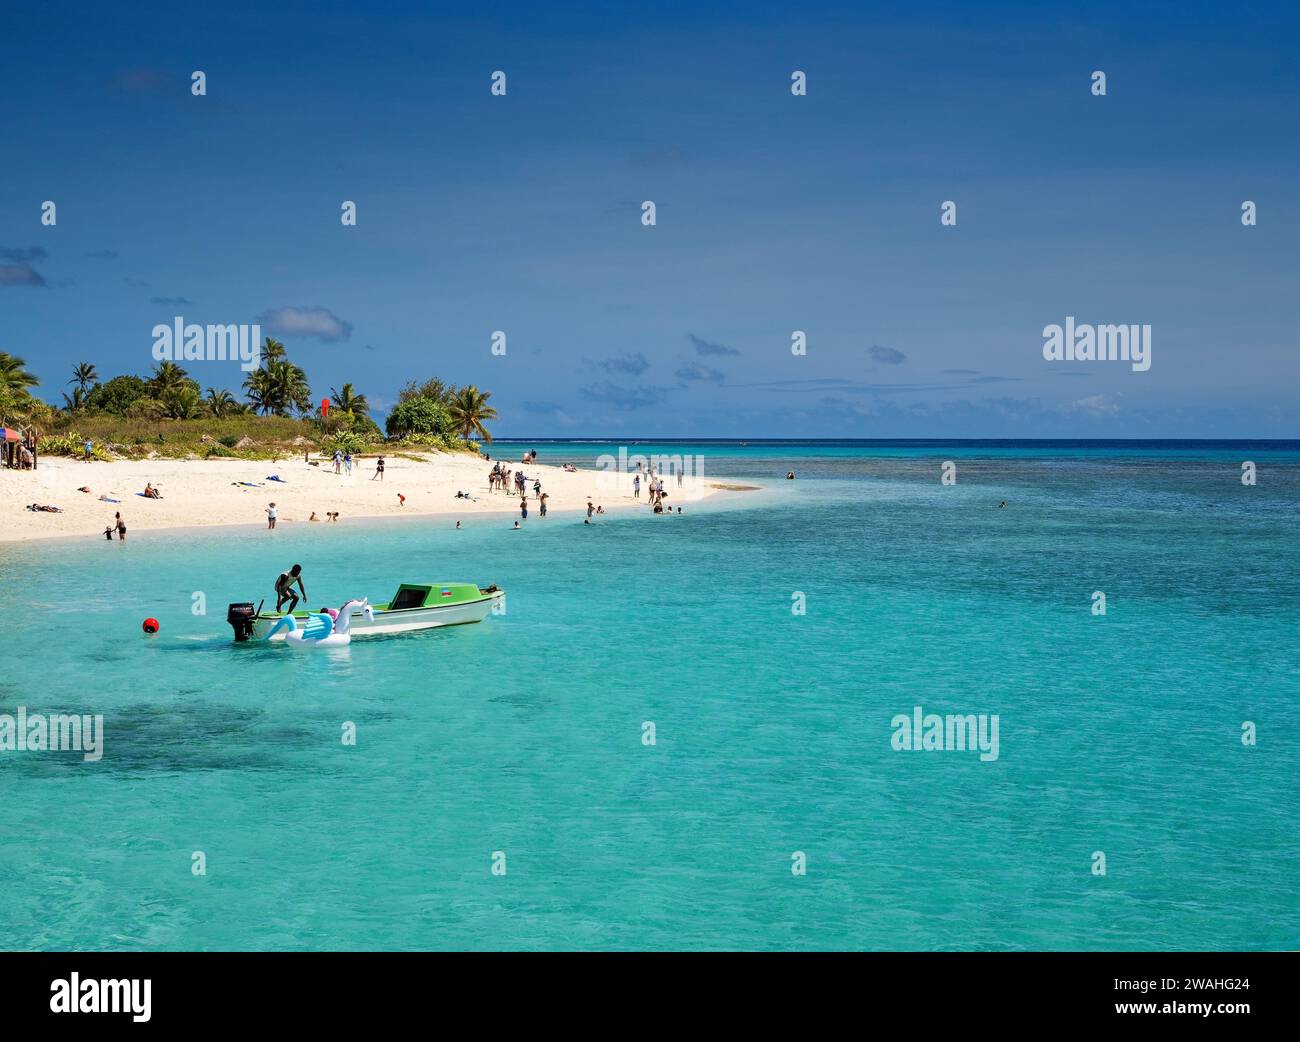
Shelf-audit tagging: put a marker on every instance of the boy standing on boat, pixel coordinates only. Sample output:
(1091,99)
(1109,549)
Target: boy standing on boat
(284,587)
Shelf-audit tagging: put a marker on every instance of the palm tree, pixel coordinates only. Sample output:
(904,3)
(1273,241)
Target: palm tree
(83,375)
(78,400)
(220,403)
(273,351)
(14,376)
(179,403)
(14,381)
(291,387)
(470,410)
(258,388)
(277,387)
(167,376)
(347,400)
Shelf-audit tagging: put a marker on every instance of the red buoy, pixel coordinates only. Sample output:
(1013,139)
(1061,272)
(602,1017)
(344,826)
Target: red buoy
(151,625)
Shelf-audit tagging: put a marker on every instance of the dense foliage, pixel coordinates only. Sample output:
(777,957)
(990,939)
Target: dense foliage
(166,412)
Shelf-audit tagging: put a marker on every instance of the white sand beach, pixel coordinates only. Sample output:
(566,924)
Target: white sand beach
(205,492)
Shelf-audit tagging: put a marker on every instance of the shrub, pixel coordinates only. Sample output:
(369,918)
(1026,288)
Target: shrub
(418,415)
(118,395)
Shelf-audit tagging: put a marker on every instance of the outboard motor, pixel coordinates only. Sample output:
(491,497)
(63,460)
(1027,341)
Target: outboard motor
(240,616)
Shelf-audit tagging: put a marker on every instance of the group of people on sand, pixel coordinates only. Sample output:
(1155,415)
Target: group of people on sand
(511,481)
(654,484)
(343,463)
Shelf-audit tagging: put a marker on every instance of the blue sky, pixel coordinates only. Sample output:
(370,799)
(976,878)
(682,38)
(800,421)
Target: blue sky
(775,213)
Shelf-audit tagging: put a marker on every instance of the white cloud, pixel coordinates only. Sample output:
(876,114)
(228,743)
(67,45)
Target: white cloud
(317,322)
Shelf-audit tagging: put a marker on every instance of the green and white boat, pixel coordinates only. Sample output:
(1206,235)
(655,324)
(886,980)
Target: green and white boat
(415,606)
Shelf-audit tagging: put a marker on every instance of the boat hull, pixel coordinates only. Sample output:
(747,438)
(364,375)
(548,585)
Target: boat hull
(401,620)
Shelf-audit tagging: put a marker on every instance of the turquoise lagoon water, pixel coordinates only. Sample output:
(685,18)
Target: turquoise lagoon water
(1119,734)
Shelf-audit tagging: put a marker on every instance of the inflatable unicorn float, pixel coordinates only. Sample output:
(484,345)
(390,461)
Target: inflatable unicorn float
(328,628)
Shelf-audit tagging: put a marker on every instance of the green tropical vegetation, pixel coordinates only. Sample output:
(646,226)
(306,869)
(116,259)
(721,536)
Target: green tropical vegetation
(166,413)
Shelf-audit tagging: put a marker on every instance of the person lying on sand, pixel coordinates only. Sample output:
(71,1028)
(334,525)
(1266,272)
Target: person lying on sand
(45,509)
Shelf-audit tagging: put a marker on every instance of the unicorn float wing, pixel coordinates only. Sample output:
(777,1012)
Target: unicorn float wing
(323,629)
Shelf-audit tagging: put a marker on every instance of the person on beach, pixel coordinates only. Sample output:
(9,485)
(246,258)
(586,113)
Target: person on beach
(379,469)
(636,486)
(523,508)
(90,448)
(541,504)
(313,517)
(338,462)
(121,526)
(457,524)
(150,492)
(591,509)
(284,588)
(600,510)
(347,463)
(401,500)
(516,528)
(108,533)
(272,515)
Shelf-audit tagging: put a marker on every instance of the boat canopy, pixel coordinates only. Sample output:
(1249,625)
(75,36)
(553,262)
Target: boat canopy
(431,595)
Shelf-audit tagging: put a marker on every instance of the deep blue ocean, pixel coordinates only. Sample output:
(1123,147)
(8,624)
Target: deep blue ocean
(521,742)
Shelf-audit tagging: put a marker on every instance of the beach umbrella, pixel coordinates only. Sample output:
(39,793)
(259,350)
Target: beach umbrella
(9,434)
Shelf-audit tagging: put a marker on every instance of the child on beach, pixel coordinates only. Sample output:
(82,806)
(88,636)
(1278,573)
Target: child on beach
(271,516)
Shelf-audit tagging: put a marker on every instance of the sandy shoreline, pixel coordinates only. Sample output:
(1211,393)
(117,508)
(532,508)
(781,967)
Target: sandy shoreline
(203,493)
